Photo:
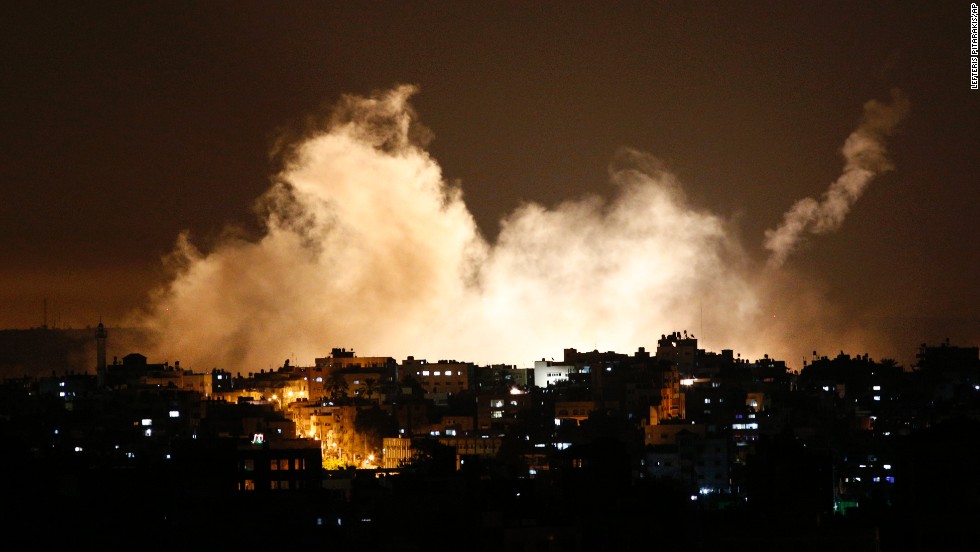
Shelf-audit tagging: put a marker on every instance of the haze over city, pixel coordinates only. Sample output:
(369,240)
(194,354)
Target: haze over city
(491,183)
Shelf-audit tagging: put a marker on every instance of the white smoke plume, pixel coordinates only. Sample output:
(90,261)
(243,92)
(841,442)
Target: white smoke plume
(864,159)
(366,246)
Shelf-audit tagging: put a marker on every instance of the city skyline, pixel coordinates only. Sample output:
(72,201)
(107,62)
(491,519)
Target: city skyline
(610,176)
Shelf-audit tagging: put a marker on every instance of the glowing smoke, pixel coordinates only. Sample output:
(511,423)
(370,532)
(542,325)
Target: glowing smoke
(366,246)
(864,159)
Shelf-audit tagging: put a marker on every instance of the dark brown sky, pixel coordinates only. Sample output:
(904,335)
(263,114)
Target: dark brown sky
(124,123)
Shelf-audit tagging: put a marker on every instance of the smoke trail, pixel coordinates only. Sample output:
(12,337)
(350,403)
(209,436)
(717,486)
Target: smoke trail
(366,246)
(864,159)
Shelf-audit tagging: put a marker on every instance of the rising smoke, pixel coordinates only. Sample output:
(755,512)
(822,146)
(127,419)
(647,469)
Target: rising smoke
(367,246)
(864,159)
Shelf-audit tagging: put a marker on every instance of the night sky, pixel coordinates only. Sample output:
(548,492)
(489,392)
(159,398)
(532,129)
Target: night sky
(127,123)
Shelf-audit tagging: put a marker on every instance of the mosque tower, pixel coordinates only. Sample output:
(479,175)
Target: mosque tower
(100,369)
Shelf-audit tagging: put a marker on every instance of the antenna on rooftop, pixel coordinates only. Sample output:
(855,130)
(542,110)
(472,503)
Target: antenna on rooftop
(701,324)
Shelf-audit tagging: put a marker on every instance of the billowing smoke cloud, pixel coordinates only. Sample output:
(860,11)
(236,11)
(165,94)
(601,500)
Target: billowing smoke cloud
(864,159)
(366,246)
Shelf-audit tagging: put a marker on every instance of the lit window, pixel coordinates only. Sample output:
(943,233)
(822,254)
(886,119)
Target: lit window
(175,414)
(146,422)
(437,373)
(890,479)
(707,401)
(496,413)
(425,372)
(148,432)
(876,388)
(877,397)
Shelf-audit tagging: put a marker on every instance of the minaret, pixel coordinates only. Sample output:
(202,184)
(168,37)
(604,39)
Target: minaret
(100,369)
